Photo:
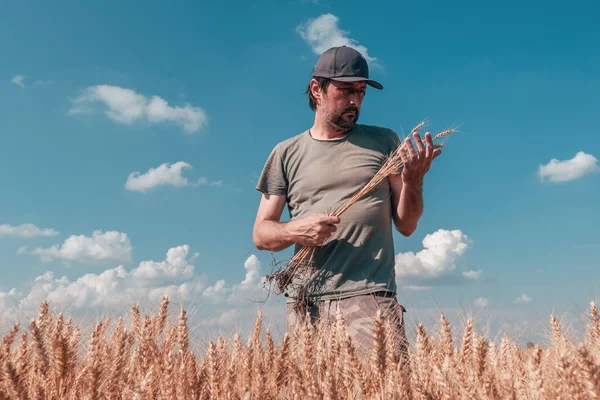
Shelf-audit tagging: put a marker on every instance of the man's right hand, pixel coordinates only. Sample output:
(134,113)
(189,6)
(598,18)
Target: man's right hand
(312,230)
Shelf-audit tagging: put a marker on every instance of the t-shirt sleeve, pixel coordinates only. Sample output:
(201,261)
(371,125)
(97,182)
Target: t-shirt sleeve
(393,142)
(273,179)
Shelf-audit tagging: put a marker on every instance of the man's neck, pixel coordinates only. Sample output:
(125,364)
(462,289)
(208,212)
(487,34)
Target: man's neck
(321,130)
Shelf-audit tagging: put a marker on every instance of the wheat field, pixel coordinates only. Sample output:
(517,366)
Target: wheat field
(151,358)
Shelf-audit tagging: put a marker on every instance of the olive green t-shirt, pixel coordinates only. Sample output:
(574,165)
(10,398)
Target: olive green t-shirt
(319,176)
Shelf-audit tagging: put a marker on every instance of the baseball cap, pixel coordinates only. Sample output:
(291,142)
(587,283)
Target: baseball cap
(345,64)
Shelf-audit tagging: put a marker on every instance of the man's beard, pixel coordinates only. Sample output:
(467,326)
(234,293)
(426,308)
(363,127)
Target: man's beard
(337,122)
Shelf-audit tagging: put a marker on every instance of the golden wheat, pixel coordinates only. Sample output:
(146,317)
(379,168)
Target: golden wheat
(153,359)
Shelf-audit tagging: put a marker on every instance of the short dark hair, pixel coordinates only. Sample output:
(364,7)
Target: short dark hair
(323,83)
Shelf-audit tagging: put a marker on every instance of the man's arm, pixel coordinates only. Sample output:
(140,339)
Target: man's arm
(271,234)
(407,187)
(407,204)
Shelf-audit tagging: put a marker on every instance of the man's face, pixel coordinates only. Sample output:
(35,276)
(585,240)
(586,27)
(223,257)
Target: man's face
(340,104)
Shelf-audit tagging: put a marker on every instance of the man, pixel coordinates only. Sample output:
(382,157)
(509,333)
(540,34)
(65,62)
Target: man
(319,169)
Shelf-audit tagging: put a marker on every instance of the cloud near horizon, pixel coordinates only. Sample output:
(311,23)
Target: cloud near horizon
(568,170)
(164,175)
(117,288)
(25,231)
(18,80)
(481,302)
(472,274)
(523,299)
(323,32)
(100,248)
(127,106)
(436,263)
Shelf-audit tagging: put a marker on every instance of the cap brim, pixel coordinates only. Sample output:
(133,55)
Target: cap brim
(370,82)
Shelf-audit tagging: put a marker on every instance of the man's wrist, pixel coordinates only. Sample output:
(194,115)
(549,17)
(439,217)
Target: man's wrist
(288,236)
(413,186)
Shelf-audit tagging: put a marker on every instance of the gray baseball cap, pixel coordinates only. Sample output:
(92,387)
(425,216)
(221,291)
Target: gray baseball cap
(344,64)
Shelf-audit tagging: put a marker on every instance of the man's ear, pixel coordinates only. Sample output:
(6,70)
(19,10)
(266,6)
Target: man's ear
(316,90)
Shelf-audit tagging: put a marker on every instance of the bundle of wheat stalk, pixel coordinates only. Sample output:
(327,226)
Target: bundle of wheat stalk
(302,259)
(151,358)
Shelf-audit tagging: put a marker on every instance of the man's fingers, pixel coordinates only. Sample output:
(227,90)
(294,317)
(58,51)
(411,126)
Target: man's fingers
(404,155)
(419,142)
(409,146)
(331,219)
(436,153)
(429,141)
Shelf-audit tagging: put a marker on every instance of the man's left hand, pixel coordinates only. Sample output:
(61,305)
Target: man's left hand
(417,161)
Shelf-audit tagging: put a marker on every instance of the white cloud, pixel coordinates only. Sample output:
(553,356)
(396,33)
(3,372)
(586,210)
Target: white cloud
(25,231)
(438,259)
(481,302)
(227,318)
(174,268)
(523,299)
(126,106)
(250,288)
(221,307)
(322,33)
(216,290)
(192,118)
(9,299)
(252,266)
(471,274)
(568,170)
(174,276)
(416,288)
(114,287)
(163,175)
(18,80)
(107,247)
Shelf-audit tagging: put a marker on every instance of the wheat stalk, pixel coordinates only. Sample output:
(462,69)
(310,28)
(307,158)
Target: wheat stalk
(317,361)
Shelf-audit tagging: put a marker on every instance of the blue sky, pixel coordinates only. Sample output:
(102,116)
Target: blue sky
(92,96)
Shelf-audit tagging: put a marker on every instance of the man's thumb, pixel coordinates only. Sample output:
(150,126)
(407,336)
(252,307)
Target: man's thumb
(332,219)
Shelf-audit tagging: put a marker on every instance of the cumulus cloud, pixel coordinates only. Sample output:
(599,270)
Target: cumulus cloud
(251,287)
(164,175)
(174,268)
(175,276)
(18,80)
(481,302)
(101,247)
(471,274)
(114,287)
(438,259)
(323,32)
(218,306)
(563,171)
(523,299)
(127,106)
(216,291)
(25,231)
(252,266)
(9,299)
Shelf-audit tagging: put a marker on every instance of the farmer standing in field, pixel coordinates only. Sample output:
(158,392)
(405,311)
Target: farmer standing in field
(319,169)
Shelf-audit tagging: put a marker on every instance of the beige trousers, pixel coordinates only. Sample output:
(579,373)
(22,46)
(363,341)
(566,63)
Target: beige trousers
(359,316)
